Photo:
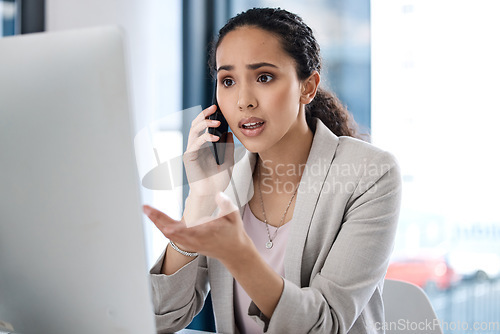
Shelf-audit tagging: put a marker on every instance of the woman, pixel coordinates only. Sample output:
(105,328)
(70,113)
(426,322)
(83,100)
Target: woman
(302,235)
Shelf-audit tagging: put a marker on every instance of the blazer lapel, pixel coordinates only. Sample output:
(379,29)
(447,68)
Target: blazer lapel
(313,178)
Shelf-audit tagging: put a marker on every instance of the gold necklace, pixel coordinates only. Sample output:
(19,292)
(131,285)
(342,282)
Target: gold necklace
(269,244)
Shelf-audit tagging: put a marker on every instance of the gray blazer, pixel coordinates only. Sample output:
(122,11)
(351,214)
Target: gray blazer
(339,243)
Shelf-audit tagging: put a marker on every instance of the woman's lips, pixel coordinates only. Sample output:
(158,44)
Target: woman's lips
(254,131)
(249,120)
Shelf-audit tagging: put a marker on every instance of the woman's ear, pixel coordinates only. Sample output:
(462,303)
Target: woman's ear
(309,88)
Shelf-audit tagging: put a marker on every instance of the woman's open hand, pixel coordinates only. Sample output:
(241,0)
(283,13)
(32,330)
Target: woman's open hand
(220,237)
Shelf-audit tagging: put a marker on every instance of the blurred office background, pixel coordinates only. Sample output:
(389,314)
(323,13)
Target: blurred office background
(421,77)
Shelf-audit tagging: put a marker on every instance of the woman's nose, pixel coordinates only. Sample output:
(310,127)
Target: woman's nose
(246,99)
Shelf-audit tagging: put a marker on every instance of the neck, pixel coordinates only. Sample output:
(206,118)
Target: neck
(286,160)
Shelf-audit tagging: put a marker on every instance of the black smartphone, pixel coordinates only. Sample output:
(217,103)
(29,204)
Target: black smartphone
(219,147)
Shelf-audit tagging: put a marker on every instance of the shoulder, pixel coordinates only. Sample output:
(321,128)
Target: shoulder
(358,152)
(350,160)
(358,166)
(344,149)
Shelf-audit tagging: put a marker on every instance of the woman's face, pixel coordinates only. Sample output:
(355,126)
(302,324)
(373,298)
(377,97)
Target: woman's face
(257,83)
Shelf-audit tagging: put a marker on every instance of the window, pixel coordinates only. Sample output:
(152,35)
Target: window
(9,12)
(434,87)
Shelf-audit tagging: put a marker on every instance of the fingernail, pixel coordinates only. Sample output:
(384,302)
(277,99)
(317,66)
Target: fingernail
(146,210)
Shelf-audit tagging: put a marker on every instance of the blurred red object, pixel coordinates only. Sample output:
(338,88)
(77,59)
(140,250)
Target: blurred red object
(427,272)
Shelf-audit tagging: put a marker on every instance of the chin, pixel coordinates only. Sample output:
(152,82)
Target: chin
(252,148)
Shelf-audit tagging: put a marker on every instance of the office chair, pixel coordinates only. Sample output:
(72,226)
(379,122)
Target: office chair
(408,310)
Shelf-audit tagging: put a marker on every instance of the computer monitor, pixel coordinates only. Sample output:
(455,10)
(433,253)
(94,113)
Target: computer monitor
(72,249)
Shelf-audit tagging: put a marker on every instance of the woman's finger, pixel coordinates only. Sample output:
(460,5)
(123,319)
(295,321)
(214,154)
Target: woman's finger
(196,149)
(197,143)
(209,111)
(199,122)
(190,237)
(162,221)
(204,114)
(203,125)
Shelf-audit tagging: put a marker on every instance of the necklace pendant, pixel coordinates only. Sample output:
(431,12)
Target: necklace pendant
(269,244)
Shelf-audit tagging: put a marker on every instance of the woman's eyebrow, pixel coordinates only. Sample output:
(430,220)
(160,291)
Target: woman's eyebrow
(225,68)
(249,66)
(258,65)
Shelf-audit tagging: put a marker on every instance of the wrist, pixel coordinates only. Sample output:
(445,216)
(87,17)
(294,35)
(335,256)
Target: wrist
(241,257)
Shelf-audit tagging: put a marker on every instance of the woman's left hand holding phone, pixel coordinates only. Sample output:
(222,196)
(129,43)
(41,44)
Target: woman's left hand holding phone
(206,179)
(205,176)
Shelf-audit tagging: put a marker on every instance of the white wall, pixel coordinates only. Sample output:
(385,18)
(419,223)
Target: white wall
(153,46)
(143,22)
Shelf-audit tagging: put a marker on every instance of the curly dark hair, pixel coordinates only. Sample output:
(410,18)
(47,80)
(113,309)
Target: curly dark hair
(297,39)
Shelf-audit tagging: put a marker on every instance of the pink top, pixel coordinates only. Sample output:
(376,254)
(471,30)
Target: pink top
(256,230)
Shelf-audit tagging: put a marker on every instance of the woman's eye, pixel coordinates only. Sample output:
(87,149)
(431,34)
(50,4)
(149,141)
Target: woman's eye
(264,78)
(227,82)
